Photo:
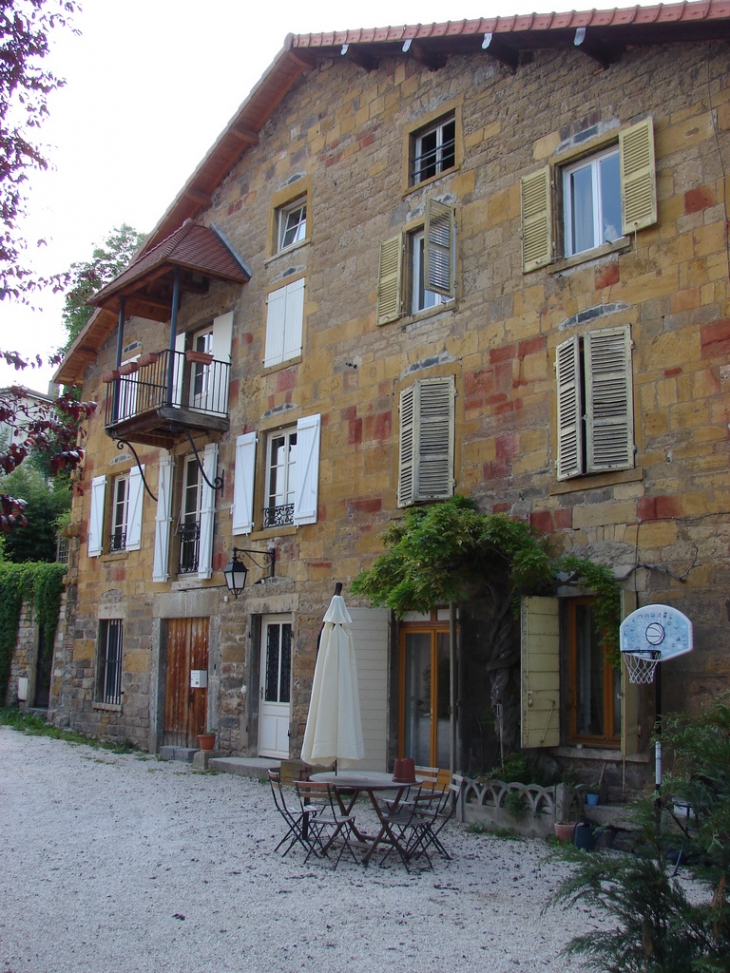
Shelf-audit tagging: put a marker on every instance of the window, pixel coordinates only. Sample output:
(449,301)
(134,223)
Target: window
(123,521)
(433,149)
(426,456)
(189,526)
(120,509)
(201,377)
(291,477)
(430,270)
(284,320)
(201,385)
(291,224)
(592,202)
(594,700)
(595,421)
(109,663)
(605,196)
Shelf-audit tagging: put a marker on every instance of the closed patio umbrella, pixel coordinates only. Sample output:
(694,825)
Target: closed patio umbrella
(334,728)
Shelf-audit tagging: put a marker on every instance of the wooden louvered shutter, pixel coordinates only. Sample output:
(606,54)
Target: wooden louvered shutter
(435,437)
(389,280)
(537,220)
(96,516)
(406,463)
(438,248)
(540,672)
(570,417)
(638,176)
(609,400)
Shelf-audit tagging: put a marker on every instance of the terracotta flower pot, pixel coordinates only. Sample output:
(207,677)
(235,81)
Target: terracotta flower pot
(564,832)
(199,357)
(129,369)
(111,376)
(404,770)
(150,358)
(206,741)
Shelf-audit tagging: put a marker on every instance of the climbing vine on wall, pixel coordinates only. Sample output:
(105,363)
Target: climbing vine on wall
(39,584)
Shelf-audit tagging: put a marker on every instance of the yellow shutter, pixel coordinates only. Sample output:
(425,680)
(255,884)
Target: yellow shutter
(638,176)
(438,248)
(629,691)
(609,400)
(537,220)
(389,280)
(570,418)
(434,426)
(540,694)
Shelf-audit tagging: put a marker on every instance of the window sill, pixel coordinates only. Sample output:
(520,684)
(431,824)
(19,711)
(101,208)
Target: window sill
(586,752)
(271,532)
(285,253)
(409,320)
(114,556)
(430,181)
(623,243)
(108,707)
(594,481)
(268,369)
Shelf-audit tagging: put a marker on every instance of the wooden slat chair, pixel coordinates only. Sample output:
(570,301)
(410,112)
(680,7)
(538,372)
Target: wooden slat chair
(297,822)
(430,776)
(326,820)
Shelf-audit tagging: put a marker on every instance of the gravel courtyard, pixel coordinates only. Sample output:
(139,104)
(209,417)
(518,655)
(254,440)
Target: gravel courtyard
(125,864)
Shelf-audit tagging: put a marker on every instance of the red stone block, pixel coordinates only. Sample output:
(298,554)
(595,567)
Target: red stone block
(378,426)
(563,519)
(543,520)
(647,508)
(532,346)
(364,507)
(505,353)
(354,433)
(715,338)
(286,380)
(698,199)
(668,507)
(508,445)
(500,508)
(349,413)
(607,275)
(671,372)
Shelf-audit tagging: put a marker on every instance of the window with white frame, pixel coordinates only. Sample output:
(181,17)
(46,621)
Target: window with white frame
(122,524)
(120,510)
(284,323)
(433,149)
(189,524)
(291,224)
(417,268)
(291,477)
(595,421)
(605,196)
(281,449)
(109,662)
(426,454)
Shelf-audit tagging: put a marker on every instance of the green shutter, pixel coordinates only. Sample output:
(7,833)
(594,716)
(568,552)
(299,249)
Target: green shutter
(438,238)
(570,418)
(609,400)
(389,280)
(638,176)
(540,692)
(537,220)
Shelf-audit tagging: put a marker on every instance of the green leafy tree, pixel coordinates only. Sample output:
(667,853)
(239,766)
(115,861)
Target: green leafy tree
(25,26)
(659,927)
(44,503)
(85,278)
(451,552)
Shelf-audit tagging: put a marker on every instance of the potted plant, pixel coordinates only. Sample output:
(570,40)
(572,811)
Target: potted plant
(206,741)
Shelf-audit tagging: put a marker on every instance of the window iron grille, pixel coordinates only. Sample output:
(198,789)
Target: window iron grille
(109,674)
(279,516)
(118,541)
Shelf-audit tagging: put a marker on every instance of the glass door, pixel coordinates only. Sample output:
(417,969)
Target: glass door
(425,718)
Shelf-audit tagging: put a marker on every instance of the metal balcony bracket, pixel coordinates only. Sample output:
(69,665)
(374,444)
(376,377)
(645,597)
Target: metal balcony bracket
(217,483)
(121,443)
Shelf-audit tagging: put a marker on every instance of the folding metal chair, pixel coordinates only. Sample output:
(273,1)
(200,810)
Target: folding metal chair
(435,811)
(326,820)
(297,821)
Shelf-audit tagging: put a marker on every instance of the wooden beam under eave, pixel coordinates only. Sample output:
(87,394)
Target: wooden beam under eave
(497,49)
(205,199)
(428,58)
(359,57)
(598,50)
(245,135)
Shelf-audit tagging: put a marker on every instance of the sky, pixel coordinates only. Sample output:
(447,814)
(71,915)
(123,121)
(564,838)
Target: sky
(150,84)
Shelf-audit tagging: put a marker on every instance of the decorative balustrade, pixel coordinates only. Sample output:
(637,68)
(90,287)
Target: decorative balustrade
(483,800)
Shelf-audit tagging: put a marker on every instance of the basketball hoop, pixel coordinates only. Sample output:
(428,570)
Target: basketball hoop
(641,666)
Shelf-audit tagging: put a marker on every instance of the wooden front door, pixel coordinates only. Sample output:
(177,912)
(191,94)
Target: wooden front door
(186,709)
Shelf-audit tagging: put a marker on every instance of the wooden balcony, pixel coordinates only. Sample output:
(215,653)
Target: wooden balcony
(160,401)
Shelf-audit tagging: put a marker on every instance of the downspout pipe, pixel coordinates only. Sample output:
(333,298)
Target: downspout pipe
(173,333)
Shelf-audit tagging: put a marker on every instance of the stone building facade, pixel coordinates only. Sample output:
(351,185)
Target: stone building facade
(487,258)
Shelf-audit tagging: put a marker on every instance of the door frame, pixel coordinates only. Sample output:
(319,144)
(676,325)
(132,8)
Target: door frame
(282,618)
(434,627)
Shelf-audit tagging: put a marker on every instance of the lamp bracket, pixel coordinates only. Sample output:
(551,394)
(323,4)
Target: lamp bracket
(269,557)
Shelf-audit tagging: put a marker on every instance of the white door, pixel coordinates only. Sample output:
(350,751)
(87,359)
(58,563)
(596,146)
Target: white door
(275,686)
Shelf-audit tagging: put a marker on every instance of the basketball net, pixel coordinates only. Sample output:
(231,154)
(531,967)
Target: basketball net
(641,665)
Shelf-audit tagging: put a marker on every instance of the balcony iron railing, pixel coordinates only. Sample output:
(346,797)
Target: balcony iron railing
(200,387)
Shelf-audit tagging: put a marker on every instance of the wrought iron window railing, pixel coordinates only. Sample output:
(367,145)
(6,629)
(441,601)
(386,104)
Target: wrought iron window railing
(433,160)
(279,516)
(200,386)
(189,535)
(118,541)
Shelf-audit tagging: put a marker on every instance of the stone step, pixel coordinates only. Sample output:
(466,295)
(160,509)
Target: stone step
(243,766)
(185,754)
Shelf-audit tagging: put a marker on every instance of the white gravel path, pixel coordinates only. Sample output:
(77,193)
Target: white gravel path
(124,864)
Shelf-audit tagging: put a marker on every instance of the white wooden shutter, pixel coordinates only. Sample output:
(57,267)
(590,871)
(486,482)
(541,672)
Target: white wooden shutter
(638,176)
(370,630)
(629,691)
(207,511)
(537,220)
(96,516)
(435,437)
(306,470)
(243,484)
(389,280)
(570,417)
(406,460)
(178,379)
(609,400)
(134,509)
(439,256)
(540,682)
(284,322)
(220,375)
(163,518)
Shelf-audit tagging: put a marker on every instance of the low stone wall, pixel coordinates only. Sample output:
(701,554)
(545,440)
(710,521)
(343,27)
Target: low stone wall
(484,802)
